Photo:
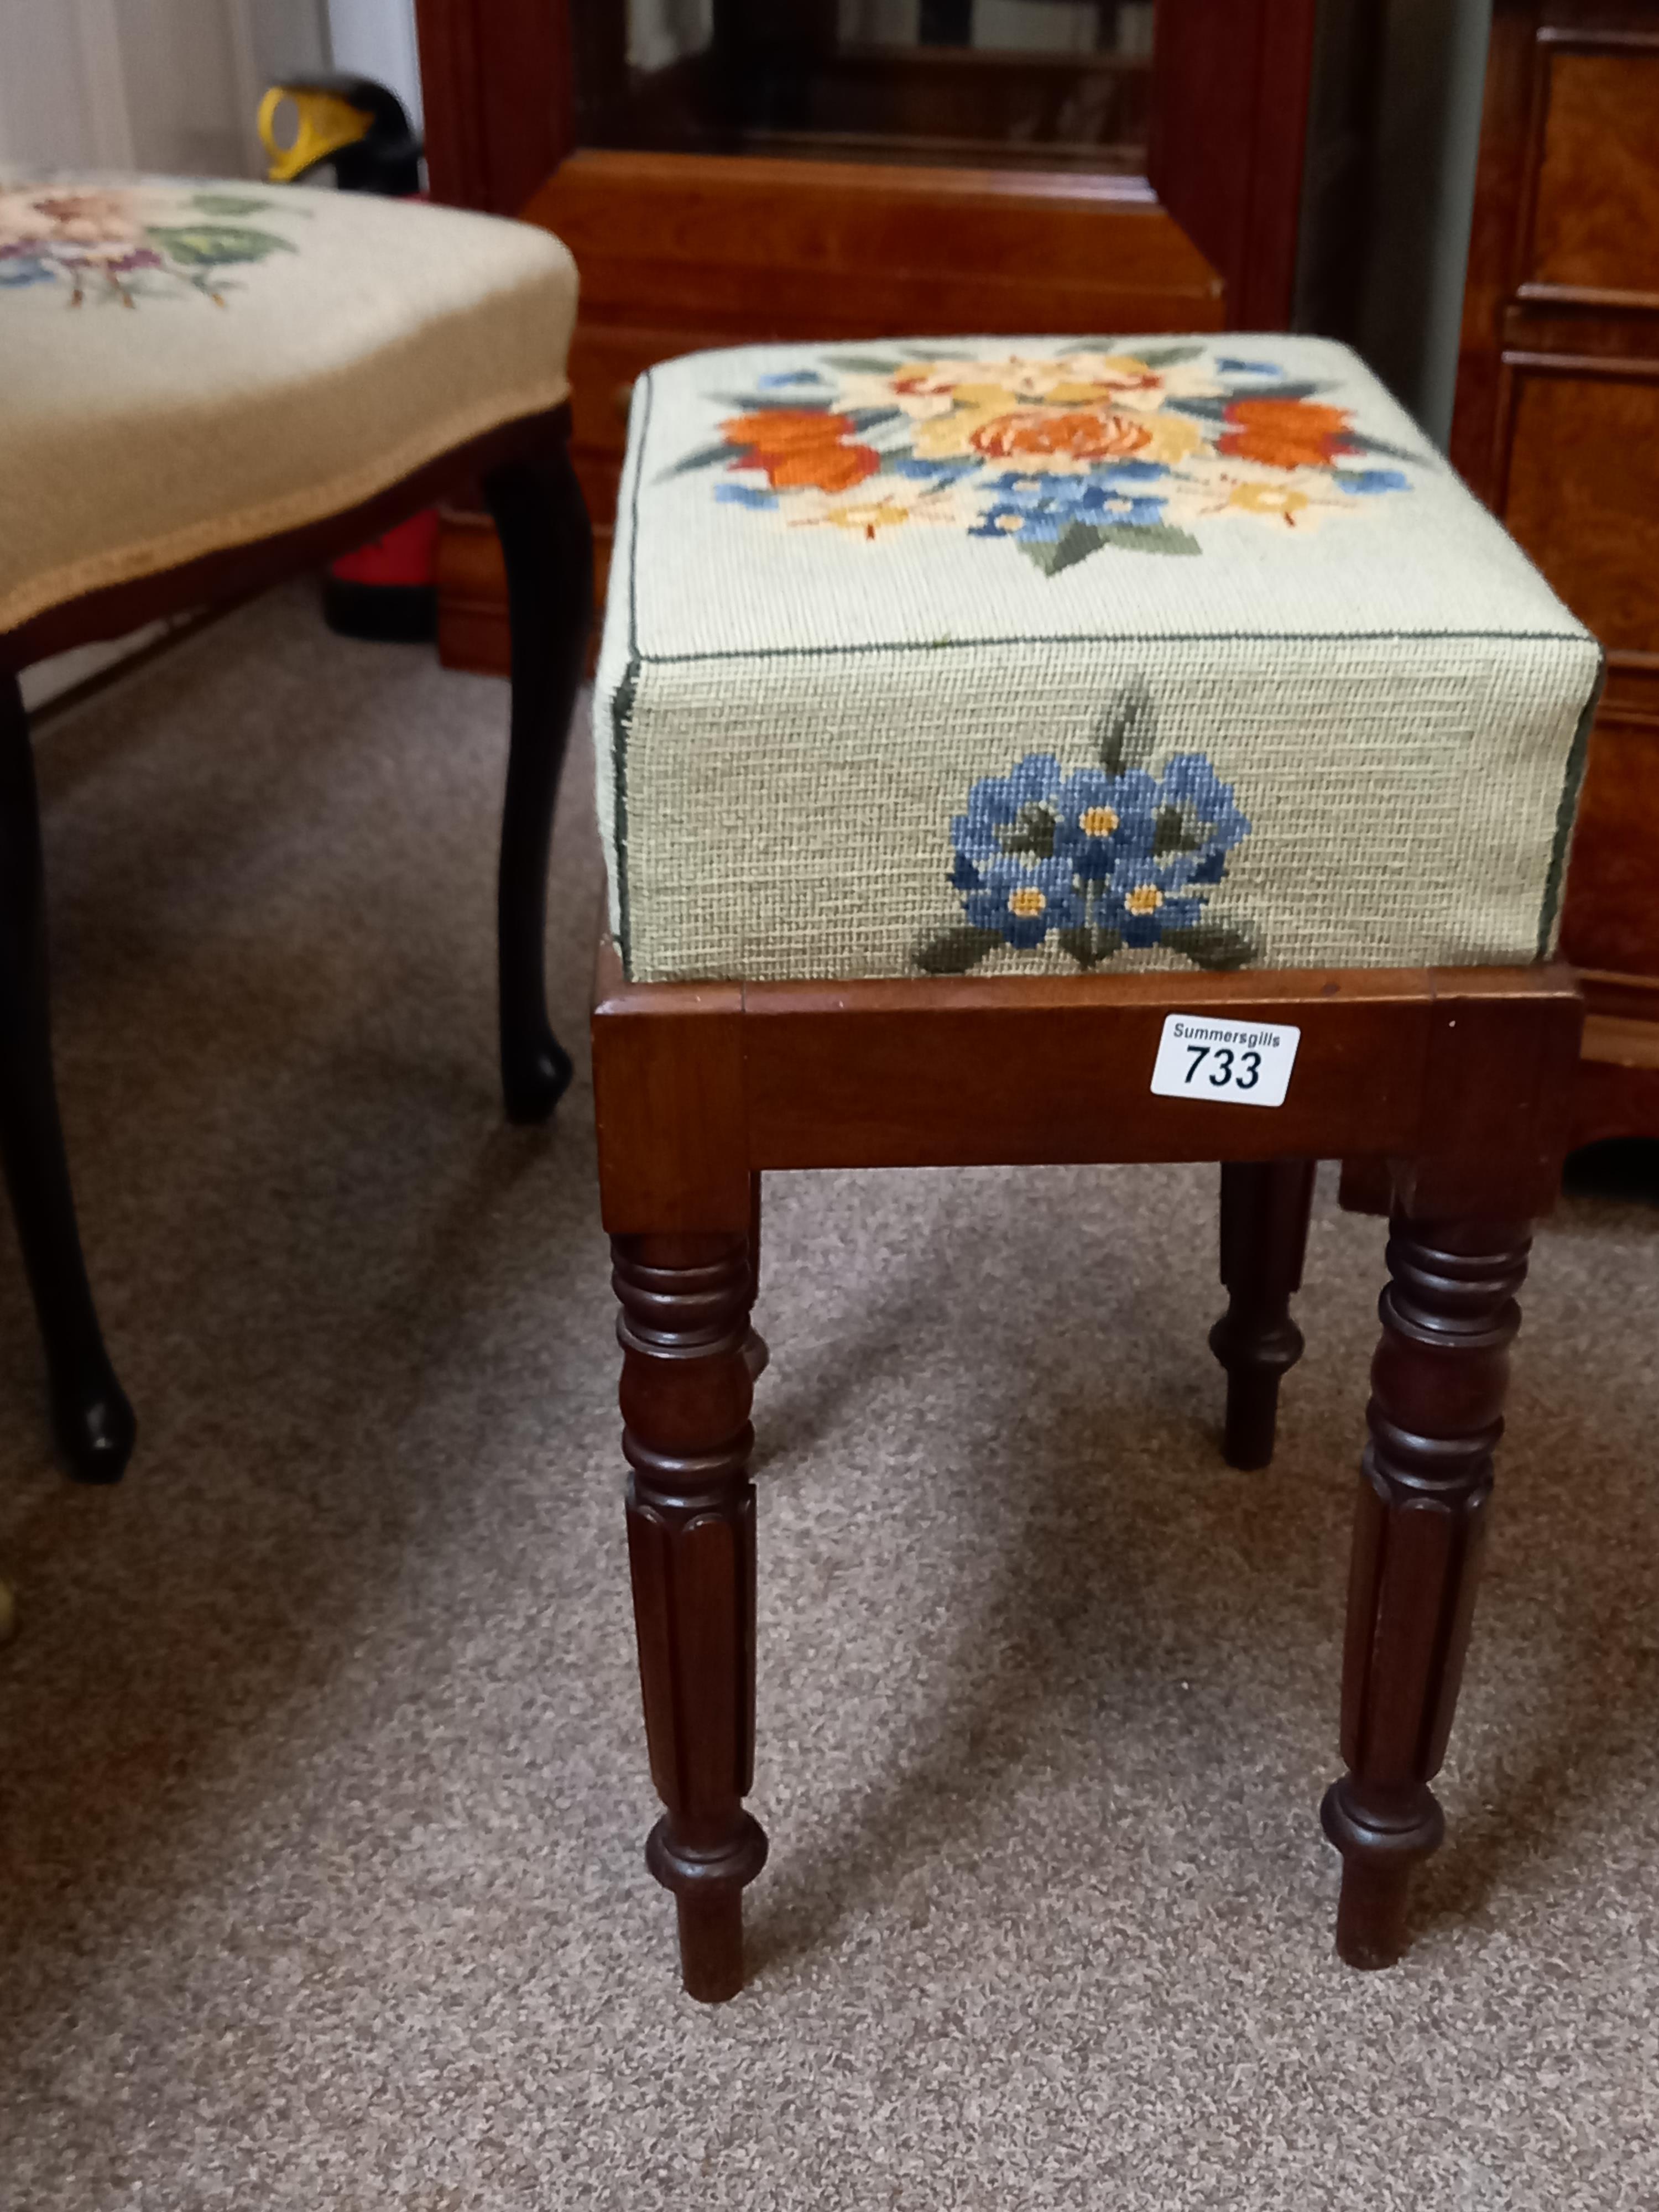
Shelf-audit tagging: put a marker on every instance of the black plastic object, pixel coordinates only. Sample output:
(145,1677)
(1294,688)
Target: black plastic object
(387,159)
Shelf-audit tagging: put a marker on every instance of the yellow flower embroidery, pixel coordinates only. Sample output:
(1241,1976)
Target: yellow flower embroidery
(1269,499)
(866,517)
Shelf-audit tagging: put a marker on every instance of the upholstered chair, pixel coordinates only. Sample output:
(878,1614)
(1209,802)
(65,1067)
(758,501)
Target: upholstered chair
(205,387)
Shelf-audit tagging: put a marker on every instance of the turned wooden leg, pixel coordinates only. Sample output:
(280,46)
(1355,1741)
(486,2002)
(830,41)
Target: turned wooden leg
(686,1390)
(94,1423)
(1435,1414)
(754,1350)
(539,515)
(1264,1234)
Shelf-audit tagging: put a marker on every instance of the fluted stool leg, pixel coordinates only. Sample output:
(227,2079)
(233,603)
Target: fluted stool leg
(1435,1414)
(686,1389)
(1265,1206)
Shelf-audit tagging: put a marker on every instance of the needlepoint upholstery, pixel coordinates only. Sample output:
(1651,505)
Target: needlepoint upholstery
(1038,655)
(186,366)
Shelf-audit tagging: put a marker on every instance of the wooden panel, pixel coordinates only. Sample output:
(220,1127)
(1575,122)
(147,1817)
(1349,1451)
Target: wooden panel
(1450,1071)
(496,80)
(1582,492)
(668,1096)
(1611,1099)
(1612,914)
(726,247)
(945,1073)
(1595,223)
(1512,60)
(1229,125)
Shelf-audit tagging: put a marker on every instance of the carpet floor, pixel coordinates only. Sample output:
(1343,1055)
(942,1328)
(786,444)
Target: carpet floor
(322,1783)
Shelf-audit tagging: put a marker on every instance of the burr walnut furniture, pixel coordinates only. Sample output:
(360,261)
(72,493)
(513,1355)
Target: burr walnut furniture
(1557,427)
(1070,750)
(208,388)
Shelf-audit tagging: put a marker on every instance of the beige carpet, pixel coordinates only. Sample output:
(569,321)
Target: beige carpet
(323,1787)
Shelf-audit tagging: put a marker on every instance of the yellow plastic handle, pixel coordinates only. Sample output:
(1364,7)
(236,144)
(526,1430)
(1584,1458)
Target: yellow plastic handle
(325,125)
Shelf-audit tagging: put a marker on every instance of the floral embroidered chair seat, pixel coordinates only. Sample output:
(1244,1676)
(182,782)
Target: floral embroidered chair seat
(1075,750)
(206,386)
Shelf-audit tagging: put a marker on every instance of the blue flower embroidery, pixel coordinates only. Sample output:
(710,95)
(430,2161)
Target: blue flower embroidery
(1038,509)
(1022,900)
(1371,480)
(1106,858)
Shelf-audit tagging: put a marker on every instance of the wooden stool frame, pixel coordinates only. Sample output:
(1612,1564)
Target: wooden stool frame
(523,469)
(1447,1088)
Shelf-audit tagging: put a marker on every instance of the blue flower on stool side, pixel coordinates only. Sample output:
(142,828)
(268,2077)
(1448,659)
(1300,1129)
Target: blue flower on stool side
(1012,864)
(1017,813)
(1021,900)
(1105,816)
(1198,820)
(1122,853)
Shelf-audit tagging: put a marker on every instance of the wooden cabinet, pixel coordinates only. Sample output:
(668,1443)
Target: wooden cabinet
(856,168)
(1557,427)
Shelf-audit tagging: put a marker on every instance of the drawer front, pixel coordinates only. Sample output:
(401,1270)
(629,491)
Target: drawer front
(1595,225)
(1612,917)
(1582,492)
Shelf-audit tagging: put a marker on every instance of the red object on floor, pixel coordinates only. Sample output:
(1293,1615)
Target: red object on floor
(406,554)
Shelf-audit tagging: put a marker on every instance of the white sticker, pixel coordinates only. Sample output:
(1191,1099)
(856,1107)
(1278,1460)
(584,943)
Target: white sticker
(1238,1063)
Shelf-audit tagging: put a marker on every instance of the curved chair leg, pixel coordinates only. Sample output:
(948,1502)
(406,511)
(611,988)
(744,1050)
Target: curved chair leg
(538,508)
(94,1423)
(1264,1237)
(1436,1413)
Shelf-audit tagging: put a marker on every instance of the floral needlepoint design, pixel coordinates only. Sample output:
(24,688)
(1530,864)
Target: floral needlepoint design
(123,243)
(1062,456)
(1121,855)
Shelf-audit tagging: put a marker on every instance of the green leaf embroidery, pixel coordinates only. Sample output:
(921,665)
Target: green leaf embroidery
(1079,539)
(1176,830)
(954,951)
(706,457)
(1358,438)
(214,245)
(1089,947)
(1161,538)
(772,402)
(1074,543)
(232,204)
(1168,356)
(853,364)
(1034,831)
(1217,944)
(1125,734)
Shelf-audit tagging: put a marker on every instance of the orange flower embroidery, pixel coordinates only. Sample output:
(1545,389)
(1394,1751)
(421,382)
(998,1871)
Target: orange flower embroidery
(800,448)
(1083,434)
(1287,433)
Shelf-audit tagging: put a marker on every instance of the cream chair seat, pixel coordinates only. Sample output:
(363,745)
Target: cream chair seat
(205,385)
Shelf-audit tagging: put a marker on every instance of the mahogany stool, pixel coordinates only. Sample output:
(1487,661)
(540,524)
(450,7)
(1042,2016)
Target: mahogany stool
(210,387)
(995,768)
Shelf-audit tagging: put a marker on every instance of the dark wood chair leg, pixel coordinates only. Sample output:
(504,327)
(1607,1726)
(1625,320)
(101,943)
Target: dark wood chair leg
(538,508)
(1435,1414)
(93,1421)
(755,1350)
(686,1391)
(1264,1236)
